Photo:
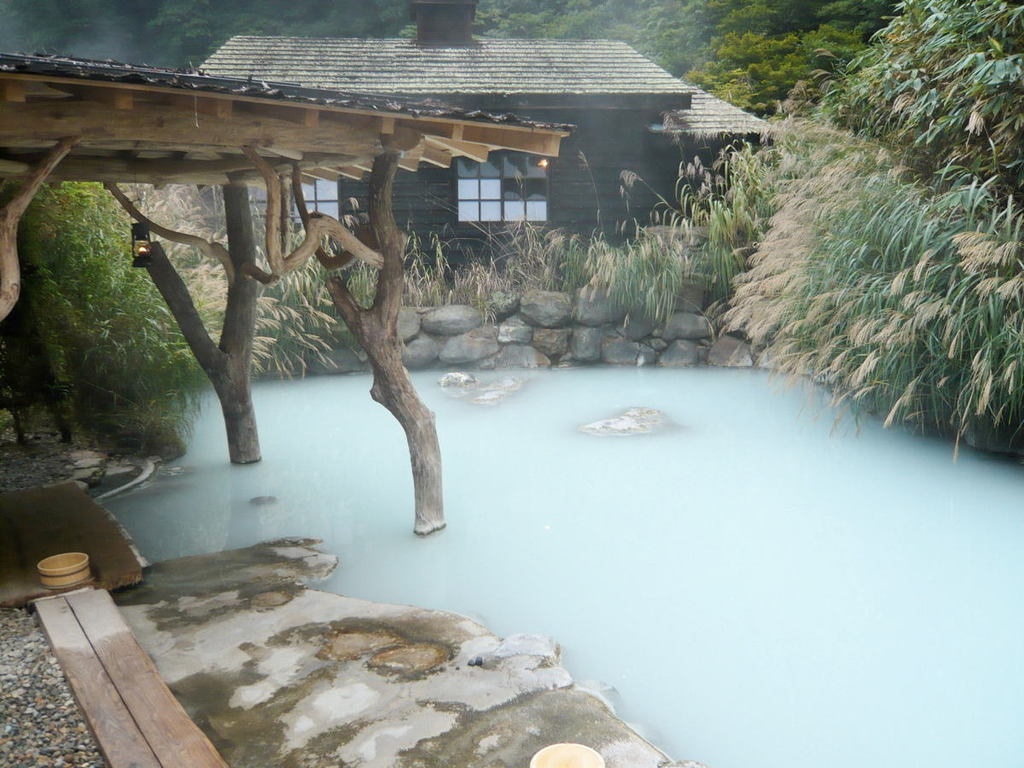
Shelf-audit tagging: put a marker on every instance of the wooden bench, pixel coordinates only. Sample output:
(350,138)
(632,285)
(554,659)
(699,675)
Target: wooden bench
(135,718)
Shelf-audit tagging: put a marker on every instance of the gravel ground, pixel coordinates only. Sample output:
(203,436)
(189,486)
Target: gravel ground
(40,724)
(44,460)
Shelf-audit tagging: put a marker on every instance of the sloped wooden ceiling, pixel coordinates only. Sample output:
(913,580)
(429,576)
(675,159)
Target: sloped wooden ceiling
(157,126)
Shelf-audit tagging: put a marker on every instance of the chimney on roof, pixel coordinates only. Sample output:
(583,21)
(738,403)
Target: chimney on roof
(444,22)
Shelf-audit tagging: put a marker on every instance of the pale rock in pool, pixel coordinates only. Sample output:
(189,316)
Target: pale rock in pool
(632,421)
(457,379)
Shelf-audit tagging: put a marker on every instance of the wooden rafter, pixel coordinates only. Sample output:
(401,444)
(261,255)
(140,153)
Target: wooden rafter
(163,133)
(474,151)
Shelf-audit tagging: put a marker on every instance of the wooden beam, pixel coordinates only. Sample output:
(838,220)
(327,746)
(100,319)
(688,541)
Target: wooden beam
(436,156)
(198,105)
(409,163)
(448,128)
(165,124)
(12,90)
(387,126)
(123,100)
(156,171)
(471,150)
(13,167)
(322,173)
(290,154)
(351,172)
(539,143)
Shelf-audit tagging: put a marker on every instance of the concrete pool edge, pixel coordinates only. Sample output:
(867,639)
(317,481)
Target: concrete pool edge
(279,673)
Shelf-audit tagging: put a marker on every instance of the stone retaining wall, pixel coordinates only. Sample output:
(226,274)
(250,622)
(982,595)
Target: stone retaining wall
(544,329)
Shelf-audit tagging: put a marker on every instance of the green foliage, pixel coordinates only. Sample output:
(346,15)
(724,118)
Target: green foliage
(112,346)
(646,275)
(904,302)
(944,83)
(757,52)
(669,31)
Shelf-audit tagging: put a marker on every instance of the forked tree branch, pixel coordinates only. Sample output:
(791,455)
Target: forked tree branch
(318,226)
(328,260)
(210,249)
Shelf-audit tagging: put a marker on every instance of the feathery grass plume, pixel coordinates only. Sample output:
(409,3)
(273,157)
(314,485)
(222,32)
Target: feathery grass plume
(296,324)
(645,276)
(905,302)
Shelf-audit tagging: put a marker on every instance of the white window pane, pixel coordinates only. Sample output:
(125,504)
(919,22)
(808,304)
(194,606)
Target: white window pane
(330,208)
(490,189)
(489,170)
(469,189)
(490,211)
(307,192)
(537,210)
(469,211)
(515,211)
(326,190)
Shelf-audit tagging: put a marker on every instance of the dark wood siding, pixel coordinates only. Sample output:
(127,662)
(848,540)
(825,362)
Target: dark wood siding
(586,190)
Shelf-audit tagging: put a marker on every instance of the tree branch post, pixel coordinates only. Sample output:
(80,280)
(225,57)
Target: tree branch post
(376,330)
(226,364)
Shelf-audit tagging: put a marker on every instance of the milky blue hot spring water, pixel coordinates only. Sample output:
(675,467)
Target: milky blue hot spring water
(758,586)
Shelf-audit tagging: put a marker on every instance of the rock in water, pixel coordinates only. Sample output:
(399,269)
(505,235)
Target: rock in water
(457,379)
(632,421)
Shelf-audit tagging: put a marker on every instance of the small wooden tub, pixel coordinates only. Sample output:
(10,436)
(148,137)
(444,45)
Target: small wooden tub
(67,569)
(567,756)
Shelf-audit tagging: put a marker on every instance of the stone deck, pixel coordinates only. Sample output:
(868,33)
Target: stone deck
(279,674)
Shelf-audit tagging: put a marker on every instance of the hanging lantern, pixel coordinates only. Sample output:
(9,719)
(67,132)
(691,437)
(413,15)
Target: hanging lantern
(142,247)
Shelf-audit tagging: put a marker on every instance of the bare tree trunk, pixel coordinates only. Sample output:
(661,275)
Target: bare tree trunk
(239,326)
(376,329)
(226,365)
(231,383)
(393,389)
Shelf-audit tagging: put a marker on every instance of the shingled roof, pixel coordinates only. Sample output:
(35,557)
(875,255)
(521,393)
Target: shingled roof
(403,67)
(709,116)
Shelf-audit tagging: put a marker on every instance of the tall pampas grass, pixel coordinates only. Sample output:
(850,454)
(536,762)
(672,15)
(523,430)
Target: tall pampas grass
(906,302)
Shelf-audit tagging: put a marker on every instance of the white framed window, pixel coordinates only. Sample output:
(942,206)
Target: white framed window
(508,186)
(322,196)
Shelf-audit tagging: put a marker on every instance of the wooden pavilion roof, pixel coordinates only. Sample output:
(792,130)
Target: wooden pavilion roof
(158,126)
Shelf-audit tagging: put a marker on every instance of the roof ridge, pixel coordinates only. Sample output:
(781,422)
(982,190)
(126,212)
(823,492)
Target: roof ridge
(559,40)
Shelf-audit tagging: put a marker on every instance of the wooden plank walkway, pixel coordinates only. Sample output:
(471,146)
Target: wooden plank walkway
(135,718)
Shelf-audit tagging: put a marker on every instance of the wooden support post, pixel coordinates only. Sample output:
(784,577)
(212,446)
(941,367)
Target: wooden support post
(376,329)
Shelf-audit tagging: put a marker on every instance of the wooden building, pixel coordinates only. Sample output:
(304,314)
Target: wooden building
(615,98)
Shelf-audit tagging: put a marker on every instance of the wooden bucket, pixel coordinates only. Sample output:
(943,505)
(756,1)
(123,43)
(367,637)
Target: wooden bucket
(67,569)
